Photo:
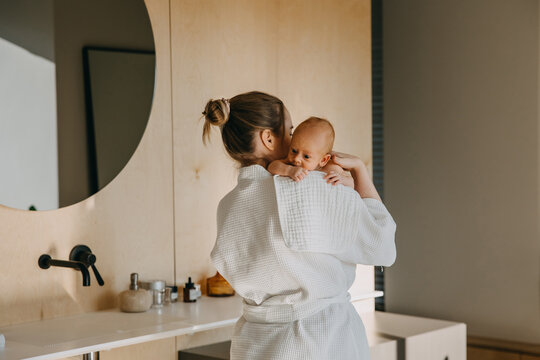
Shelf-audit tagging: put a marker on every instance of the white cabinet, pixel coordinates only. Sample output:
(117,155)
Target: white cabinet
(417,338)
(382,347)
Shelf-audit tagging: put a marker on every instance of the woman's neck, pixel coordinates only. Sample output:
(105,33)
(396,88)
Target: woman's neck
(262,162)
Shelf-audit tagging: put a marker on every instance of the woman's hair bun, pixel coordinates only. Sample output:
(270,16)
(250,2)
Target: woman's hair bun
(216,112)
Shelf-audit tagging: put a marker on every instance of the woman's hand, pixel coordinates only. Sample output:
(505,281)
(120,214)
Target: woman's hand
(347,161)
(362,181)
(336,178)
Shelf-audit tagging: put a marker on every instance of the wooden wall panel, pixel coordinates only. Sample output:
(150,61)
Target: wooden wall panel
(218,50)
(128,224)
(315,55)
(324,62)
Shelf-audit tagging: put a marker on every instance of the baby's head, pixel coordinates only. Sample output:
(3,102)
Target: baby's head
(311,144)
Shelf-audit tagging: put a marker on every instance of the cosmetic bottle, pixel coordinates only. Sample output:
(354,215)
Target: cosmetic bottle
(135,299)
(190,292)
(172,297)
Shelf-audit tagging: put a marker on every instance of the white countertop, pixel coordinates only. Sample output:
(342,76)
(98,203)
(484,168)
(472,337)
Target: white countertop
(104,330)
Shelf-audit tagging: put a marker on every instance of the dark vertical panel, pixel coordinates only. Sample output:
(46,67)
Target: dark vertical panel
(377,103)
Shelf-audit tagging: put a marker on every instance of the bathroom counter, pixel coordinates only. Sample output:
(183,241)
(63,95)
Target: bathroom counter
(104,330)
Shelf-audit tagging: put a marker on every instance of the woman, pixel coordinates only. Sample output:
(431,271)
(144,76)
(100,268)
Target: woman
(290,249)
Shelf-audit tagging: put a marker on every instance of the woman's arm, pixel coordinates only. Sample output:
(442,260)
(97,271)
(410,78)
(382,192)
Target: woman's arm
(362,181)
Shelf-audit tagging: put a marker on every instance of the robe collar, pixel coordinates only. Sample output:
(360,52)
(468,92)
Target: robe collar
(253,172)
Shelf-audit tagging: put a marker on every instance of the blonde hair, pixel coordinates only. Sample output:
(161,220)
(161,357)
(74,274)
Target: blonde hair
(240,118)
(320,122)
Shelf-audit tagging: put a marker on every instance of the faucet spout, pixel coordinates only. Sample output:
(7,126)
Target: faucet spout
(46,262)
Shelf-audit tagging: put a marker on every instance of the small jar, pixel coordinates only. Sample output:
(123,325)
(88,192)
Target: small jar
(174,294)
(158,289)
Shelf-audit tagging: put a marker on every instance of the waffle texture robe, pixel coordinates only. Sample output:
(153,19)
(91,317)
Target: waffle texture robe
(290,250)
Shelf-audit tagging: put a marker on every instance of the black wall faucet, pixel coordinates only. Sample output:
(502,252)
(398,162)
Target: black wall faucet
(80,258)
(83,254)
(45,262)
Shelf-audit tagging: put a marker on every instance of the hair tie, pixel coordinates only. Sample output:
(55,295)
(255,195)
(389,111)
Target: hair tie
(227,102)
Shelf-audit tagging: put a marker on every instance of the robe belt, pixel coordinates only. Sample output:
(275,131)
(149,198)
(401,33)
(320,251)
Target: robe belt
(284,313)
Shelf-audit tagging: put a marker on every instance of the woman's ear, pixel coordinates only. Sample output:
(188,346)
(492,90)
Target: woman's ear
(326,158)
(268,139)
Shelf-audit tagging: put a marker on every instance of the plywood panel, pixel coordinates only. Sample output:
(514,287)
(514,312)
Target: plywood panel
(160,349)
(314,55)
(204,338)
(218,50)
(324,67)
(128,224)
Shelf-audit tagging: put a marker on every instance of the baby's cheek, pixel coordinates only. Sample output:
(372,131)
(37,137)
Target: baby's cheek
(310,166)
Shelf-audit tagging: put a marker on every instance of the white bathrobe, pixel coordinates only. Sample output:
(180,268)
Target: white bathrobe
(290,250)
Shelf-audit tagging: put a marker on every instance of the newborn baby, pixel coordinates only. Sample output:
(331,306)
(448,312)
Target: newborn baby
(311,148)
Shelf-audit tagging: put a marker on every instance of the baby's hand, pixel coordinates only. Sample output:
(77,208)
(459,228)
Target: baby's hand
(297,173)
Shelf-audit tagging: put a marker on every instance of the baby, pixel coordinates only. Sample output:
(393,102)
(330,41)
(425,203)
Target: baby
(310,149)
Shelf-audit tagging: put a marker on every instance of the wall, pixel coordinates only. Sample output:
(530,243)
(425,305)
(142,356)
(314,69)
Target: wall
(461,162)
(316,58)
(128,225)
(158,216)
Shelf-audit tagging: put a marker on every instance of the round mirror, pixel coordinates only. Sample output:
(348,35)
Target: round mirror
(76,88)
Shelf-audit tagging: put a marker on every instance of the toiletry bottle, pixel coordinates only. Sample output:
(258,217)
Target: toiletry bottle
(157,288)
(189,292)
(135,299)
(218,286)
(174,294)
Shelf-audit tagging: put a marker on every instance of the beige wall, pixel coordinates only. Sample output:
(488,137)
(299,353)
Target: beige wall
(158,216)
(316,58)
(128,225)
(461,162)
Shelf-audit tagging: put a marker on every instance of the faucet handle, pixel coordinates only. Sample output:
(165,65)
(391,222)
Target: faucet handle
(98,276)
(83,254)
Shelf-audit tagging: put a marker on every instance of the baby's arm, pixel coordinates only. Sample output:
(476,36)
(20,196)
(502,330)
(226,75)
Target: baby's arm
(279,167)
(336,175)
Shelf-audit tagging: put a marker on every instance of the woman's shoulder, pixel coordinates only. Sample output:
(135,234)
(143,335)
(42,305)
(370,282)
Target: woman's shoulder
(247,190)
(253,172)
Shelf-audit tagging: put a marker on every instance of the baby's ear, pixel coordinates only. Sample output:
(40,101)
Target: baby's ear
(325,160)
